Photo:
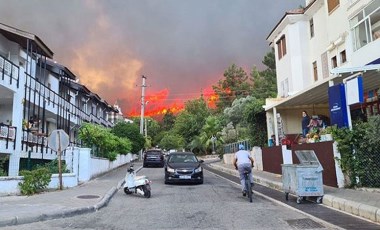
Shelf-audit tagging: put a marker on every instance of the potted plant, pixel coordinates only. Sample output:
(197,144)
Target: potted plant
(327,133)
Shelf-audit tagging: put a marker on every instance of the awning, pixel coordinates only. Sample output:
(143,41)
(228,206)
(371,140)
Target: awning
(317,94)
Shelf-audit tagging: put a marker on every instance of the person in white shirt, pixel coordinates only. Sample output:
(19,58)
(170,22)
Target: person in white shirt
(243,161)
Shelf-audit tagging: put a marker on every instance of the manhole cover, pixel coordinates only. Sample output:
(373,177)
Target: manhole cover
(304,224)
(88,197)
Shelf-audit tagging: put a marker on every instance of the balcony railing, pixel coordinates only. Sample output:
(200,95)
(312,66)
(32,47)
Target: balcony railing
(33,139)
(8,133)
(9,72)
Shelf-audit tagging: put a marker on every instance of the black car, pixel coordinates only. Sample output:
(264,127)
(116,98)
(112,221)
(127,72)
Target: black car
(183,167)
(154,158)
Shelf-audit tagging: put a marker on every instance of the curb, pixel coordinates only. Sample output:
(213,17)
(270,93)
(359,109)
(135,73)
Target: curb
(364,211)
(64,213)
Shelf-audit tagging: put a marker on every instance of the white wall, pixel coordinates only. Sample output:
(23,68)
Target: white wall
(82,166)
(366,54)
(6,113)
(101,165)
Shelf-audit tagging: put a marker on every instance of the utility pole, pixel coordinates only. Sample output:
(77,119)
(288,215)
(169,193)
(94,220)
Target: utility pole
(146,126)
(142,108)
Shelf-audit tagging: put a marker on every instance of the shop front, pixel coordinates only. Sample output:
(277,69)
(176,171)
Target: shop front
(284,118)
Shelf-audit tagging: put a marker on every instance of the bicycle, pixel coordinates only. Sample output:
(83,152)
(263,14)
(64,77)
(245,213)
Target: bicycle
(248,186)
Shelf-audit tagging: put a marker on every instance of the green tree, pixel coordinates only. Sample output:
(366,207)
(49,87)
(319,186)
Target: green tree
(172,141)
(157,139)
(235,113)
(153,127)
(255,119)
(234,85)
(132,132)
(168,121)
(102,141)
(191,120)
(211,129)
(229,133)
(265,82)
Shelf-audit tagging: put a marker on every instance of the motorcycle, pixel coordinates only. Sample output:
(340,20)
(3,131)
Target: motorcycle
(136,184)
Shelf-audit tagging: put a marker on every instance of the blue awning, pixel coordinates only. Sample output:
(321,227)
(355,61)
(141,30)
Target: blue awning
(377,61)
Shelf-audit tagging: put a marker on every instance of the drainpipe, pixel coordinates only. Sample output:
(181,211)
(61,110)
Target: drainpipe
(275,125)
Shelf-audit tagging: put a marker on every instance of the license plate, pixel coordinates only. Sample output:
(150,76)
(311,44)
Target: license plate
(185,177)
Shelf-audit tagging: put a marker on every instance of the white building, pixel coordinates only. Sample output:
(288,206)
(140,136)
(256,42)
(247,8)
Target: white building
(317,47)
(117,115)
(38,96)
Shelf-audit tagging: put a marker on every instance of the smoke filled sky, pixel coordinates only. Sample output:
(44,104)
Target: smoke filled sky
(181,46)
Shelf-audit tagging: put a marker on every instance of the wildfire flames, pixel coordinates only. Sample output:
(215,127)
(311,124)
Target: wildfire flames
(159,103)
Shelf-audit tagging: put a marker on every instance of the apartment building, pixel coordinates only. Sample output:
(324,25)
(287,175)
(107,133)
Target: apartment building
(37,96)
(316,47)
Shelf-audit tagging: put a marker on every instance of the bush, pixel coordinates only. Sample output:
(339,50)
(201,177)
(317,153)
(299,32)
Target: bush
(2,163)
(35,181)
(103,142)
(52,166)
(359,149)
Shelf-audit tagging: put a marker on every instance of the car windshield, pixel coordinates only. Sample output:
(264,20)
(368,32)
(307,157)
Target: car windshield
(182,159)
(153,153)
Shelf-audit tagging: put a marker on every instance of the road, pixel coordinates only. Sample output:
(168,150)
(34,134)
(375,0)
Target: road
(216,204)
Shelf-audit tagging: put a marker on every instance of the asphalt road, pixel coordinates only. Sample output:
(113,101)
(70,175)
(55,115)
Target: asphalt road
(216,204)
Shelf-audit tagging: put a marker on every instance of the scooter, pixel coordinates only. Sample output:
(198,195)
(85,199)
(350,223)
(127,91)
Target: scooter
(136,184)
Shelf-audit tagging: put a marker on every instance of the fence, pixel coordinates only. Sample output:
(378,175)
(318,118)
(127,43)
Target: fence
(234,147)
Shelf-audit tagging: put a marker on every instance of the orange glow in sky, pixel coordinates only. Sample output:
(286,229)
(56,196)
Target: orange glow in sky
(159,103)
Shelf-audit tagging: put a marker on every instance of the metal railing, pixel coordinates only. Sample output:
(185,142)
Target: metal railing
(9,70)
(8,133)
(234,147)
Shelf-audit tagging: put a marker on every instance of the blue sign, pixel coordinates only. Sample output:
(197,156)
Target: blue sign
(338,106)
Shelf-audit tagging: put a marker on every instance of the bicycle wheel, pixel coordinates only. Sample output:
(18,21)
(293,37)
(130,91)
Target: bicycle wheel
(249,192)
(248,188)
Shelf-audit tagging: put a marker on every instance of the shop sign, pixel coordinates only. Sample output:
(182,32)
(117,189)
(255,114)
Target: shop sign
(355,91)
(337,106)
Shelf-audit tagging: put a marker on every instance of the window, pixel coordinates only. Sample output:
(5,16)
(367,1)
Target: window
(332,4)
(311,28)
(315,71)
(334,62)
(284,88)
(281,47)
(365,26)
(343,57)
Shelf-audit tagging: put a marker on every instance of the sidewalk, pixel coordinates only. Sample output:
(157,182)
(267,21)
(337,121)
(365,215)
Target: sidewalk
(85,198)
(363,203)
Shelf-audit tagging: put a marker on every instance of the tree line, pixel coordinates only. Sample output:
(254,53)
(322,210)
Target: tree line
(238,115)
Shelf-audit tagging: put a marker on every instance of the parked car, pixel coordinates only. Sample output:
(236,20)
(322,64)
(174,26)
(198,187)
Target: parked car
(154,158)
(183,167)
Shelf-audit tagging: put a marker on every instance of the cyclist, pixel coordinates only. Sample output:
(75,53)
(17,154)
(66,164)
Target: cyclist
(243,161)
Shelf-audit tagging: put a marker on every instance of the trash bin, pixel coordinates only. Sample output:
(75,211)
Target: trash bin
(304,179)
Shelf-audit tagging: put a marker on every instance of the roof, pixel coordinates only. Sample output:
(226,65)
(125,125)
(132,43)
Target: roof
(287,15)
(22,38)
(59,69)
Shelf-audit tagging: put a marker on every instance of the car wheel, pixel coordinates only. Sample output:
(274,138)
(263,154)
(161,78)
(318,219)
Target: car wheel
(201,182)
